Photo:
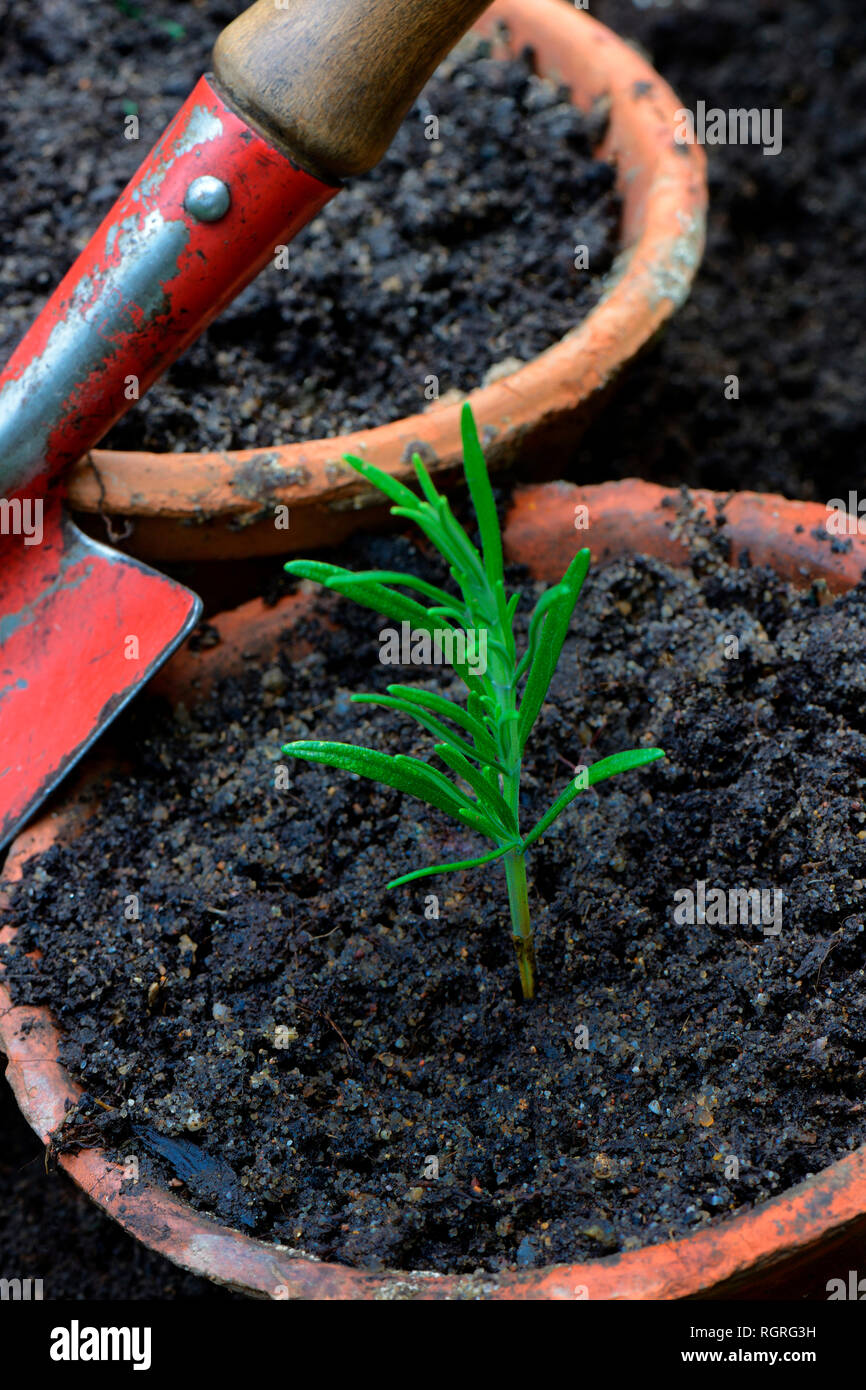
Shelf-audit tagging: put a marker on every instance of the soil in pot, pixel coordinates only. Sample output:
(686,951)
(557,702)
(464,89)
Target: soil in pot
(453,259)
(335,1067)
(778,299)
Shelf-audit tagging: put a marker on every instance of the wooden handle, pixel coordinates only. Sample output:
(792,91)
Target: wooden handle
(329,81)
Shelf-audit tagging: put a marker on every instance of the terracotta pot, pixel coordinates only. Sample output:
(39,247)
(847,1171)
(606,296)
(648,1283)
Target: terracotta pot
(219,505)
(756,1251)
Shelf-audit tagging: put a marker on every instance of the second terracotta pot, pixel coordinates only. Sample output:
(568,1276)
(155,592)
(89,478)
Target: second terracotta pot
(211,506)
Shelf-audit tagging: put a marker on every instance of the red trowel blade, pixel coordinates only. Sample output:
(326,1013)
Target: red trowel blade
(82,627)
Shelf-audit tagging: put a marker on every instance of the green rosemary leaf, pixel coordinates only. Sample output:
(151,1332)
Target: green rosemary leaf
(463,548)
(429,722)
(547,598)
(402,773)
(398,492)
(482,706)
(494,645)
(466,720)
(476,820)
(428,521)
(380,599)
(489,797)
(510,746)
(437,778)
(459,615)
(448,868)
(367,593)
(481,493)
(599,772)
(410,581)
(316,570)
(504,614)
(549,643)
(622,762)
(427,486)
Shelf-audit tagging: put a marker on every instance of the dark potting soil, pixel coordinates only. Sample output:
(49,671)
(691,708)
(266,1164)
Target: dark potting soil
(336,1067)
(779,298)
(454,258)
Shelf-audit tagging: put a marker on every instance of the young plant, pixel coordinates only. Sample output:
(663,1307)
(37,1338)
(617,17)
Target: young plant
(482,741)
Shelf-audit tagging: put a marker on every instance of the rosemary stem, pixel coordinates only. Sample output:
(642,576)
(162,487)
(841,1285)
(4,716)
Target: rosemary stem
(521,926)
(505,686)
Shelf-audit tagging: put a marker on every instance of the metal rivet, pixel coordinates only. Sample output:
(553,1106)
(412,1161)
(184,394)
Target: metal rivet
(207,199)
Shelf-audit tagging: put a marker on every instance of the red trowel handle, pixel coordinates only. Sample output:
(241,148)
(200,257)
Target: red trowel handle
(305,93)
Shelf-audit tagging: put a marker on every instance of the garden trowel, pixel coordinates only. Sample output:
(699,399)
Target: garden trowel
(303,94)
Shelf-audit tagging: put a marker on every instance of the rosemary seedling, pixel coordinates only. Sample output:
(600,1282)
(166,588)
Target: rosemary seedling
(481,741)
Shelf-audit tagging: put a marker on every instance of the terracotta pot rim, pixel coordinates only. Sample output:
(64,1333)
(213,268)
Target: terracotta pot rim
(626,516)
(214,504)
